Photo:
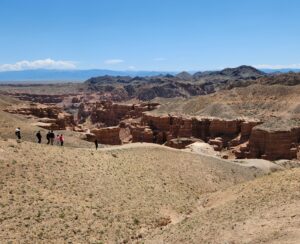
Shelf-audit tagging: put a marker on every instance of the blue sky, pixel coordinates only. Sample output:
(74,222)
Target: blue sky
(170,35)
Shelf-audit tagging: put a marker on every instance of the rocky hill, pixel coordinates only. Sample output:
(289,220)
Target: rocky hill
(167,86)
(289,79)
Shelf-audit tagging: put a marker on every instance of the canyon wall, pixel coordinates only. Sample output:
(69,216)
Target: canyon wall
(244,138)
(108,135)
(51,117)
(273,145)
(250,142)
(111,114)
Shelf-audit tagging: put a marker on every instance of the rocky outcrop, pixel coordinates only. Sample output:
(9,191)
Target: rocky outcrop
(108,135)
(246,137)
(273,145)
(111,114)
(181,143)
(219,127)
(141,134)
(51,117)
(40,98)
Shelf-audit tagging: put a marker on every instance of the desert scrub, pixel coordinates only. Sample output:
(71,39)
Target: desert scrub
(62,215)
(136,221)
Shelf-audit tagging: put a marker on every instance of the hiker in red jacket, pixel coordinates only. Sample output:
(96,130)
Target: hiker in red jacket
(61,139)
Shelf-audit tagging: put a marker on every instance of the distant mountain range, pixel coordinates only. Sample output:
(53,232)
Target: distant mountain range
(68,75)
(167,86)
(50,76)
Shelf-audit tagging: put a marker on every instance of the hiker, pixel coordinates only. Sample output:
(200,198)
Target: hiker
(39,137)
(96,144)
(51,136)
(57,139)
(61,139)
(171,119)
(48,137)
(18,133)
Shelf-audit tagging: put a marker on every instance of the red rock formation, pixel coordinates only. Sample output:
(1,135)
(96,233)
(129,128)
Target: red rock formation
(111,114)
(108,135)
(141,134)
(224,127)
(53,117)
(246,128)
(262,144)
(273,145)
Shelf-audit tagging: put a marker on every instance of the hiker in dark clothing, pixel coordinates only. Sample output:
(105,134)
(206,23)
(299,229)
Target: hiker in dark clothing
(18,133)
(39,137)
(48,137)
(171,119)
(51,136)
(96,144)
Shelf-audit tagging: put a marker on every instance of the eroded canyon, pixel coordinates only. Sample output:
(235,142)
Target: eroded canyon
(259,119)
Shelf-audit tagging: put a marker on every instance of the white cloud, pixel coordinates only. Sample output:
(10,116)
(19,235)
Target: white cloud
(160,59)
(38,64)
(277,66)
(131,67)
(114,61)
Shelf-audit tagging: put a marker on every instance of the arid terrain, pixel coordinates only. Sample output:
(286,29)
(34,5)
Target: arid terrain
(206,158)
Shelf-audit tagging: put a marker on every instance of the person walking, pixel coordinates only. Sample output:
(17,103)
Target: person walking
(18,133)
(96,144)
(52,136)
(61,139)
(48,137)
(39,137)
(57,139)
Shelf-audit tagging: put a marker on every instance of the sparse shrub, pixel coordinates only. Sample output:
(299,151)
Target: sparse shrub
(136,221)
(62,215)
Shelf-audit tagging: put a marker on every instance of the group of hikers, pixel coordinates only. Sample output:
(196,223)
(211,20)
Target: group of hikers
(50,136)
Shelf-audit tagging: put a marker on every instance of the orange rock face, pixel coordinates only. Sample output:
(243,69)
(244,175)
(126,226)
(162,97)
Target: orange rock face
(223,127)
(245,138)
(274,145)
(108,135)
(224,134)
(141,134)
(111,114)
(53,117)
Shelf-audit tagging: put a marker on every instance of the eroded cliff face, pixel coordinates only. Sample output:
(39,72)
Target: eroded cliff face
(50,117)
(114,123)
(108,113)
(244,138)
(108,135)
(273,145)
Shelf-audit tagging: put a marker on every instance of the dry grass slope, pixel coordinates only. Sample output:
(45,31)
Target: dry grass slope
(59,195)
(256,101)
(266,210)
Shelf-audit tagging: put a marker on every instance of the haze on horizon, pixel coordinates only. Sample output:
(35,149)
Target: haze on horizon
(148,35)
